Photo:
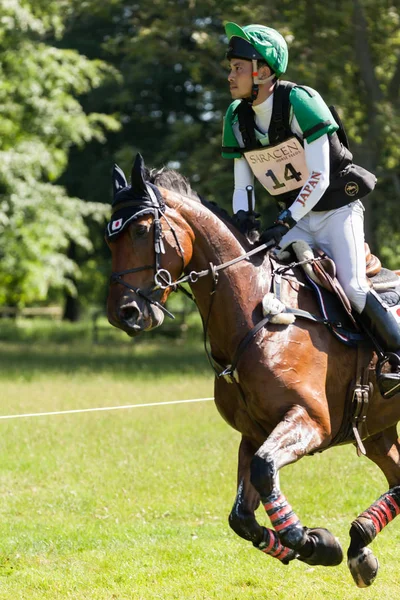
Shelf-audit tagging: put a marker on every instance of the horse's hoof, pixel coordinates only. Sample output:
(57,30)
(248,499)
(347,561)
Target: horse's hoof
(364,568)
(326,549)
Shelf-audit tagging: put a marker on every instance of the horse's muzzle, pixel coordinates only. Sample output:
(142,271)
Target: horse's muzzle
(137,315)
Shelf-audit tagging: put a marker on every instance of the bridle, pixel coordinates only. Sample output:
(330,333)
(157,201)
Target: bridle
(162,277)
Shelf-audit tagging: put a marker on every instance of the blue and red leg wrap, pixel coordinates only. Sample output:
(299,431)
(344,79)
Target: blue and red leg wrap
(272,545)
(371,522)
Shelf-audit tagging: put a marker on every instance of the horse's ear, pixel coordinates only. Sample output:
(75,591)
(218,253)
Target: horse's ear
(118,179)
(138,175)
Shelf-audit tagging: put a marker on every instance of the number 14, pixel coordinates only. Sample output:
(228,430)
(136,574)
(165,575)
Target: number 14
(290,173)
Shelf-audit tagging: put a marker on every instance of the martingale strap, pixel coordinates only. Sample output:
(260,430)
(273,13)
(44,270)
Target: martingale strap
(277,275)
(230,369)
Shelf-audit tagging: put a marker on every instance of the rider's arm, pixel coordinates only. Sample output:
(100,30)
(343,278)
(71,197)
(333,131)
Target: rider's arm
(313,121)
(318,163)
(243,177)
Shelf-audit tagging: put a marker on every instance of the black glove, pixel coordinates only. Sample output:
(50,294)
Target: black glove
(247,223)
(282,225)
(276,233)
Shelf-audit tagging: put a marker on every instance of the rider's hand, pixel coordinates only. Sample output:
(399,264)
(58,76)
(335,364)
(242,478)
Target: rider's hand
(247,223)
(275,233)
(282,225)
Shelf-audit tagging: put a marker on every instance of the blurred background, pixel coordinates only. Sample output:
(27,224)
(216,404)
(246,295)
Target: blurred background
(84,84)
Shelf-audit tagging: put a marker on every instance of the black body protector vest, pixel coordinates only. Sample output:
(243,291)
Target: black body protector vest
(348,182)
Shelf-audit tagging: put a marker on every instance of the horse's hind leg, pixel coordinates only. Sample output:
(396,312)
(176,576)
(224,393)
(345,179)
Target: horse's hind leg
(384,450)
(296,435)
(242,518)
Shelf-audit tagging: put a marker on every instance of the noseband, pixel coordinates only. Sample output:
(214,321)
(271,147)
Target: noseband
(162,277)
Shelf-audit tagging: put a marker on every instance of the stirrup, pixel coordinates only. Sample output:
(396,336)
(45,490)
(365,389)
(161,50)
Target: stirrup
(389,383)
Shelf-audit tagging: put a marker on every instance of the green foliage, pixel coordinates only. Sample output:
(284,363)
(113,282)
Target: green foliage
(67,66)
(41,117)
(174,91)
(37,225)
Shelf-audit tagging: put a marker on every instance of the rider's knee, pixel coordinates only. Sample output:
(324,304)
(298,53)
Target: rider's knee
(356,294)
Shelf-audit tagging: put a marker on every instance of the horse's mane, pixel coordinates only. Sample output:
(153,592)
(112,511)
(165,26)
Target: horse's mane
(171,180)
(176,182)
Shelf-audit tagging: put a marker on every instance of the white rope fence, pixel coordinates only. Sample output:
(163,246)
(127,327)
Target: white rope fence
(102,408)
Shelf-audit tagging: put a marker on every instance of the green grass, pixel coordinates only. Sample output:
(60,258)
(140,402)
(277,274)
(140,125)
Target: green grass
(134,504)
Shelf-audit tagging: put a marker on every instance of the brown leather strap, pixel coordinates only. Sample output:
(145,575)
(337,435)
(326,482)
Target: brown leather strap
(361,396)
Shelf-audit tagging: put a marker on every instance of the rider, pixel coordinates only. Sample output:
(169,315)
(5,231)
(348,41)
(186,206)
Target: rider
(286,136)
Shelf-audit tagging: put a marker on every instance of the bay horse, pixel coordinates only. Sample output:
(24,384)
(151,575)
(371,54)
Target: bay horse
(285,392)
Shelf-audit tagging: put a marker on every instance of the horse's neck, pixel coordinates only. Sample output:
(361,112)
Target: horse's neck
(214,242)
(239,288)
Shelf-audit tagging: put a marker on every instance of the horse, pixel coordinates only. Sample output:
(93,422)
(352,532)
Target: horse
(285,391)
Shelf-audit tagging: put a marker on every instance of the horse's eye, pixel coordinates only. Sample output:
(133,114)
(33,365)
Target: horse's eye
(140,230)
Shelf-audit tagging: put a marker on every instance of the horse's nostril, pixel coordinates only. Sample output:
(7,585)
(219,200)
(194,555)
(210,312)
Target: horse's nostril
(129,313)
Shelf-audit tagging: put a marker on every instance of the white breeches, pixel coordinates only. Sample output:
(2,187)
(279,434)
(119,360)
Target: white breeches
(340,234)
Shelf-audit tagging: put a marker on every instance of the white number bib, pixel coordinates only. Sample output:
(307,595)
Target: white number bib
(281,168)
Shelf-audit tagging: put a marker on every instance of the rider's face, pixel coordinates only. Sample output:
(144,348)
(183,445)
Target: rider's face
(240,78)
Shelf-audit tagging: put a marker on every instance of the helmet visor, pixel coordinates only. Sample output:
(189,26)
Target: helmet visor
(240,48)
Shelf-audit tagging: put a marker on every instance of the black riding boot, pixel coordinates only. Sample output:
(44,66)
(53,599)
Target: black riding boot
(386,331)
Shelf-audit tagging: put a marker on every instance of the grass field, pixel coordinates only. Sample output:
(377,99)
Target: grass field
(133,504)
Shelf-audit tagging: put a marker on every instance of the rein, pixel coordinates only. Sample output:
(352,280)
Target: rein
(162,277)
(163,281)
(194,276)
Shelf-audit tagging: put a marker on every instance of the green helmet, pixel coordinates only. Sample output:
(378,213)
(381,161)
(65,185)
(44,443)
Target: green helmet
(263,43)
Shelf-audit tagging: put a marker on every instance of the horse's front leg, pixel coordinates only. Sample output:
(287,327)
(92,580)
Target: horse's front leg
(242,518)
(295,436)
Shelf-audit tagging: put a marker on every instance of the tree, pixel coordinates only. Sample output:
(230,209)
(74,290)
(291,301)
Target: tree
(350,52)
(173,93)
(40,120)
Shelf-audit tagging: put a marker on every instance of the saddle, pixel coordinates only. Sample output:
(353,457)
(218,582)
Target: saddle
(320,271)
